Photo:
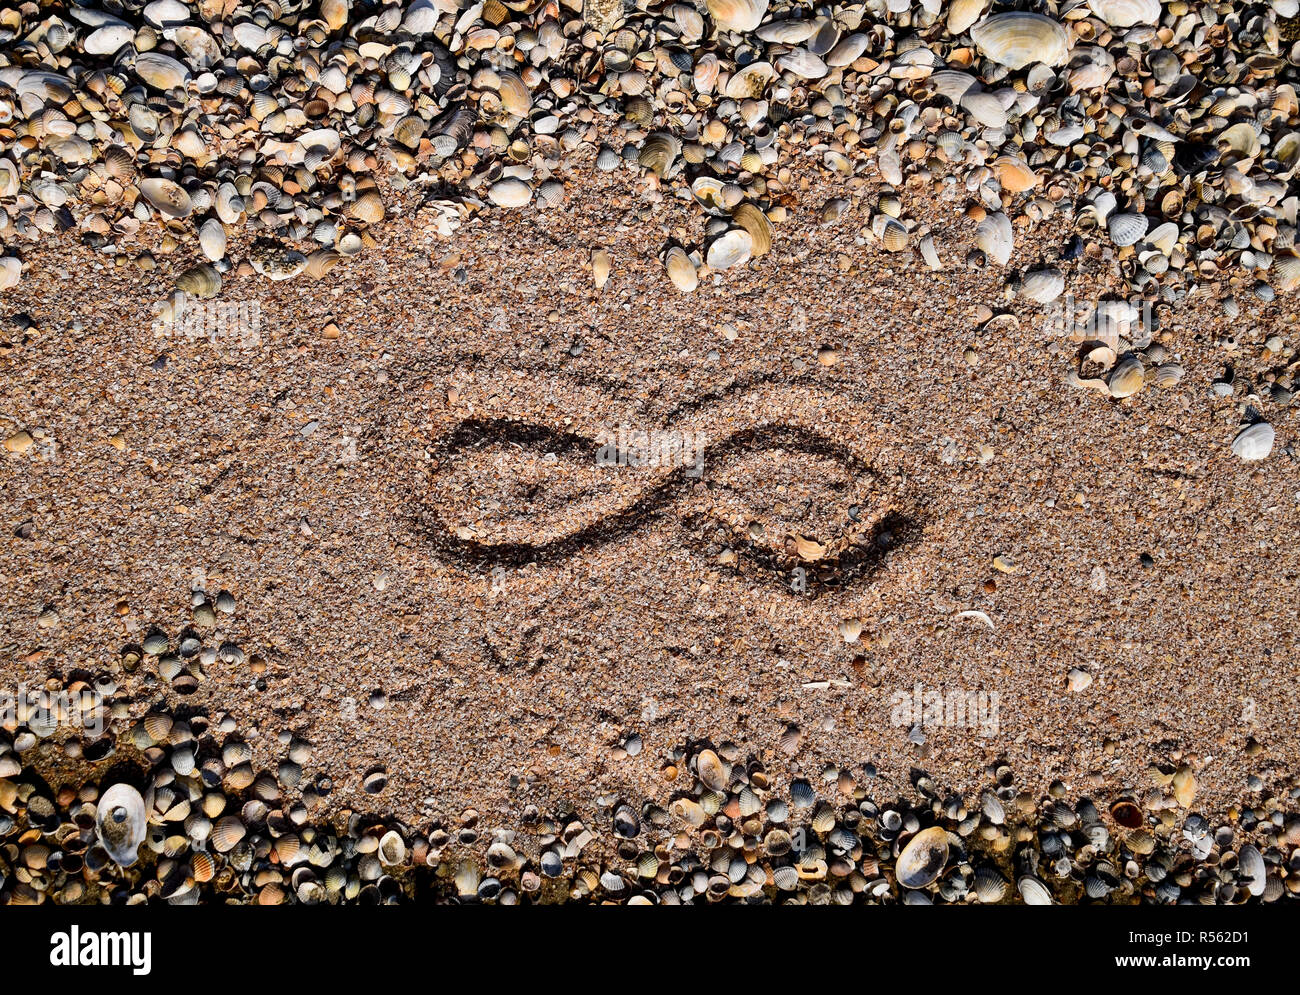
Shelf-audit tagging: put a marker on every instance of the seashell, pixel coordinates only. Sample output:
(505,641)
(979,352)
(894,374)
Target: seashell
(787,32)
(923,858)
(1168,374)
(1127,378)
(162,72)
(802,63)
(369,208)
(952,83)
(891,232)
(994,236)
(786,878)
(226,833)
(756,223)
(680,269)
(510,192)
(712,771)
(1014,174)
(1251,869)
(731,248)
(1287,268)
(963,13)
(848,50)
(1126,13)
(200,281)
(108,39)
(392,849)
(1126,229)
(750,82)
(11,271)
(1254,442)
(989,886)
(1017,38)
(335,13)
(212,239)
(736,15)
(167,197)
(1033,891)
(515,97)
(120,823)
(1241,138)
(1043,286)
(659,152)
(409,130)
(600,267)
(986,109)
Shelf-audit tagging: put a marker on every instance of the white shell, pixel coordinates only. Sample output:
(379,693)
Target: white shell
(1254,442)
(731,248)
(510,192)
(737,15)
(1017,38)
(1126,229)
(167,197)
(120,823)
(1043,286)
(994,236)
(11,271)
(680,269)
(212,239)
(108,39)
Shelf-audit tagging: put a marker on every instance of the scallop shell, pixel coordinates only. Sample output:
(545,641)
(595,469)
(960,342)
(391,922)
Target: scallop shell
(1016,39)
(680,269)
(167,197)
(1126,229)
(756,223)
(1287,268)
(1168,374)
(226,833)
(1254,442)
(120,823)
(659,152)
(1126,13)
(891,232)
(200,281)
(923,858)
(731,248)
(510,192)
(995,237)
(736,15)
(369,207)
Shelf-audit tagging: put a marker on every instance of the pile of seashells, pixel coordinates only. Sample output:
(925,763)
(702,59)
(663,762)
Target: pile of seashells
(1164,127)
(157,798)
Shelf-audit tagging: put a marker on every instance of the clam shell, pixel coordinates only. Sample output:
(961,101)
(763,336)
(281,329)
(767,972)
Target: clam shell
(200,281)
(162,72)
(369,207)
(1126,13)
(923,858)
(802,63)
(756,223)
(995,237)
(1014,174)
(1127,378)
(167,197)
(659,152)
(212,239)
(848,50)
(1251,869)
(510,192)
(11,271)
(680,269)
(108,39)
(731,248)
(963,13)
(1254,442)
(736,15)
(750,82)
(1168,374)
(515,97)
(1033,891)
(891,232)
(120,823)
(1016,39)
(226,833)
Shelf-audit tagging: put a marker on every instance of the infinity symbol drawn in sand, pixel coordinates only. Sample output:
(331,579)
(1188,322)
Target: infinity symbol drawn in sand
(779,499)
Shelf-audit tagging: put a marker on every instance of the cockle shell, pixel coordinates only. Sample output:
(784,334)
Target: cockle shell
(510,192)
(1126,229)
(120,823)
(1016,39)
(1127,378)
(1254,442)
(659,152)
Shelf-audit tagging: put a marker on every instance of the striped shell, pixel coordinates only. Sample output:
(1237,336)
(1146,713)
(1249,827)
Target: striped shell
(200,281)
(756,223)
(1043,286)
(659,152)
(1126,229)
